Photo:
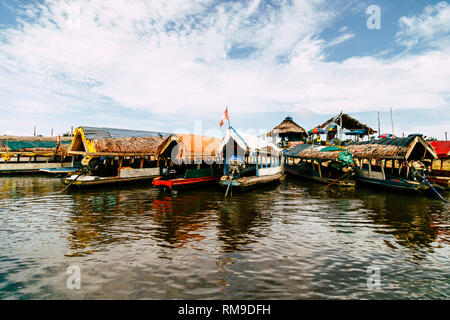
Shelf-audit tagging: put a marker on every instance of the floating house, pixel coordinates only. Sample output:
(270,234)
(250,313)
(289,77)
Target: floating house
(343,121)
(329,165)
(249,161)
(33,154)
(188,160)
(289,132)
(393,163)
(115,155)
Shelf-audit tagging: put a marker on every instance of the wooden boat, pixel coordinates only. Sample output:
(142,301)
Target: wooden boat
(190,161)
(31,154)
(249,161)
(328,165)
(60,171)
(394,163)
(111,156)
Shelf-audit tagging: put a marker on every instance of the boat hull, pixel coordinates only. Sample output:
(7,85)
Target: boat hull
(397,184)
(306,175)
(247,183)
(106,181)
(182,183)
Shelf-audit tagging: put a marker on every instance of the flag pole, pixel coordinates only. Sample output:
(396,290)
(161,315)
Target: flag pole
(228,116)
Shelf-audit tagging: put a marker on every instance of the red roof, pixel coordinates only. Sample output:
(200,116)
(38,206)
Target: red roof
(442,148)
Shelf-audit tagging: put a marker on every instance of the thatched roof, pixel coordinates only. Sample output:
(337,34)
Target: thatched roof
(410,148)
(307,151)
(348,123)
(31,144)
(115,142)
(189,146)
(288,126)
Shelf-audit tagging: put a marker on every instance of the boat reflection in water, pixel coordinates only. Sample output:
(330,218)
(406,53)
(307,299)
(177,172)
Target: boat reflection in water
(292,240)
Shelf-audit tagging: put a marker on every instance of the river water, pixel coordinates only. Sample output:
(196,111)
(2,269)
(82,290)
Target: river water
(293,240)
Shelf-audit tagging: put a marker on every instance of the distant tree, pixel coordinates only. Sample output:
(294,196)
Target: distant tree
(431,139)
(66,134)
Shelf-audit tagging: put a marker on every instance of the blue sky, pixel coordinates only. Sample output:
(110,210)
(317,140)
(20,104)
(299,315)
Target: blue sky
(168,65)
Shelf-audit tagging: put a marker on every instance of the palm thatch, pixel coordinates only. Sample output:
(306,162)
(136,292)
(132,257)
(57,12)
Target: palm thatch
(410,148)
(288,127)
(145,145)
(348,123)
(307,151)
(374,151)
(32,144)
(115,142)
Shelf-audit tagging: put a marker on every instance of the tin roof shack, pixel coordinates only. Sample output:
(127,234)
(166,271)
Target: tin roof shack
(393,163)
(115,155)
(289,132)
(345,121)
(19,154)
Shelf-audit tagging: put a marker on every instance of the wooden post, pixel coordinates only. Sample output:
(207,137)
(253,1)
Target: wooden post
(370,167)
(120,166)
(320,171)
(141,164)
(383,162)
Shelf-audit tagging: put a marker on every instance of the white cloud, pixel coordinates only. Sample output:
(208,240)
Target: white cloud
(173,57)
(340,39)
(430,27)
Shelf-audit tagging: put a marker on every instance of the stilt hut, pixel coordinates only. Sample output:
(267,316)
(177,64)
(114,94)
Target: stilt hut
(20,154)
(115,155)
(344,121)
(289,132)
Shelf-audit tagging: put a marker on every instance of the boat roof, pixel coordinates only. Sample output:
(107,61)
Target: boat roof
(248,142)
(442,148)
(115,142)
(409,148)
(192,146)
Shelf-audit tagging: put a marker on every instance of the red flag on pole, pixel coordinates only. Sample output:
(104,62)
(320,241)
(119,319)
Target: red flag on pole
(225,116)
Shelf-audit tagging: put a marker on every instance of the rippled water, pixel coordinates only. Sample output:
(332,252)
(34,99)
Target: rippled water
(295,240)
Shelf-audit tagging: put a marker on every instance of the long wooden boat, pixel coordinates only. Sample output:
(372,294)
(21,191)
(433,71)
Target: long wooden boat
(113,156)
(210,176)
(327,165)
(249,161)
(126,176)
(247,183)
(190,161)
(394,164)
(32,154)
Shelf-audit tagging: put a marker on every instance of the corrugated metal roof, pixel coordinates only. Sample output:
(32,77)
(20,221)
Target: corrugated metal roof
(93,133)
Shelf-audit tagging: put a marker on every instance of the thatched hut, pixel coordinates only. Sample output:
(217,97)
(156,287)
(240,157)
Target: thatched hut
(289,131)
(19,154)
(95,142)
(115,155)
(345,121)
(413,148)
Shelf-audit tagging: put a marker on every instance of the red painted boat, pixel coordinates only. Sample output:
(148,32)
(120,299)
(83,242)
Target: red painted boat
(177,183)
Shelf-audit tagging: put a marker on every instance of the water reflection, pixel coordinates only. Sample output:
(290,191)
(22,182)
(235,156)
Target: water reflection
(292,240)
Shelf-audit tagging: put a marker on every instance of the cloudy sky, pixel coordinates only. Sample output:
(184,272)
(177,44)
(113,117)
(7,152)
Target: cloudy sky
(168,65)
